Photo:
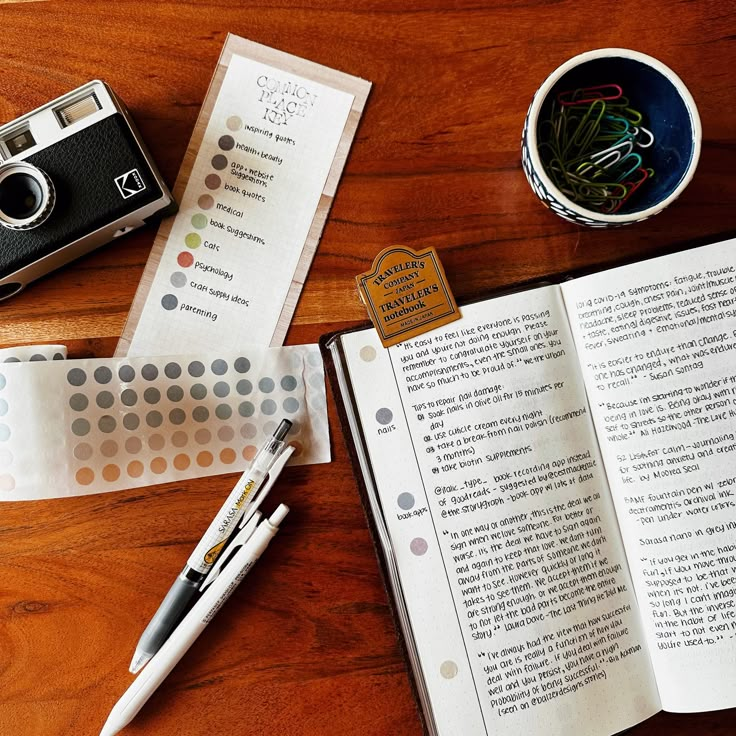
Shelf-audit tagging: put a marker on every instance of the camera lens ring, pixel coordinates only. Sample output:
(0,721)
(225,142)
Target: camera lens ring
(27,195)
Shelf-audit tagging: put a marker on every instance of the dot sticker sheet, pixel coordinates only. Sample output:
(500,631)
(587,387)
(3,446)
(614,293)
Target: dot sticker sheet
(88,426)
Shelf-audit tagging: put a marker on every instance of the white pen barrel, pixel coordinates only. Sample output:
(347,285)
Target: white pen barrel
(195,622)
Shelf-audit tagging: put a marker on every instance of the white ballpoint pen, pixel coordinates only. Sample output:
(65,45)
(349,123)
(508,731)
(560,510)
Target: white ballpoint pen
(196,620)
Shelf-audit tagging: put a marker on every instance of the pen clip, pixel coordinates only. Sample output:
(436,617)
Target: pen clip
(247,525)
(273,473)
(237,540)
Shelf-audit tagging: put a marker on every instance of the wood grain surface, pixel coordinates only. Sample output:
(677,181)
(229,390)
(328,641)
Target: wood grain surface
(307,644)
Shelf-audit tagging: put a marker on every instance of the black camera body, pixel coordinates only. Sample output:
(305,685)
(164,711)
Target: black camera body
(74,175)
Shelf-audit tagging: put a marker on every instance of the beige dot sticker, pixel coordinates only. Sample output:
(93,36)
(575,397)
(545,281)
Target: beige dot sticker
(448,669)
(135,469)
(204,459)
(227,456)
(85,476)
(367,353)
(111,473)
(158,465)
(181,461)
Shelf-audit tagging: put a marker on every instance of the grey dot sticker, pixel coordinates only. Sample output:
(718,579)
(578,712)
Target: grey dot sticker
(291,404)
(226,142)
(58,356)
(3,407)
(198,391)
(242,365)
(246,409)
(149,372)
(5,432)
(288,383)
(202,436)
(221,389)
(133,445)
(83,451)
(175,393)
(219,367)
(80,427)
(201,414)
(76,377)
(244,387)
(178,279)
(2,381)
(107,424)
(37,356)
(103,374)
(266,385)
(223,411)
(78,402)
(154,419)
(225,434)
(172,370)
(177,416)
(126,373)
(268,407)
(131,421)
(196,369)
(314,358)
(179,439)
(384,416)
(169,301)
(316,380)
(405,501)
(248,431)
(129,397)
(152,395)
(105,399)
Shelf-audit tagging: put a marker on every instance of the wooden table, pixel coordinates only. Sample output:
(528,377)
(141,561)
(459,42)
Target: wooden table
(308,645)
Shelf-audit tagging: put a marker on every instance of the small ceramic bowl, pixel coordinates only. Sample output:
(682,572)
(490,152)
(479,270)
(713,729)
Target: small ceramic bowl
(669,113)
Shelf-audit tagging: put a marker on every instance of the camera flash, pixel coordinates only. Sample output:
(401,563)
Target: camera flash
(78,110)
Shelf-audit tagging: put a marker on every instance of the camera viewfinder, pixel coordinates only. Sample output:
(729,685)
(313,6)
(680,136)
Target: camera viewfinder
(19,142)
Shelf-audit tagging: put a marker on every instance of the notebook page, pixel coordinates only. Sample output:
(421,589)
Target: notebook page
(501,524)
(657,342)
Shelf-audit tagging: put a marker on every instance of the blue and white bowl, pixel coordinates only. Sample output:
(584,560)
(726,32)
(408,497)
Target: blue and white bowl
(669,112)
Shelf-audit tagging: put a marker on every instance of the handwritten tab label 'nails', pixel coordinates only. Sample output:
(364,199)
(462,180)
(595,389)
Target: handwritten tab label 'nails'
(406,293)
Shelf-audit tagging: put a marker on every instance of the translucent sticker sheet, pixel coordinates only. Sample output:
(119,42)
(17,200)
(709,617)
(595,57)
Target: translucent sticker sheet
(72,427)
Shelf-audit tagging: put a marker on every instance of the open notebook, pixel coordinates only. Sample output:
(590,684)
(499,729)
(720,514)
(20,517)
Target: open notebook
(552,485)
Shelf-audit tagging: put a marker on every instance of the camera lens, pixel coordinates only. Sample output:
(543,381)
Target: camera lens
(26,196)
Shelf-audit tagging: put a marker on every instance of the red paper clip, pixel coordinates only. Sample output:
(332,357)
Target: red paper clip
(590,94)
(634,186)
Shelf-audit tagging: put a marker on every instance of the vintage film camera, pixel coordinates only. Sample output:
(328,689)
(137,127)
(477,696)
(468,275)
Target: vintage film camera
(74,175)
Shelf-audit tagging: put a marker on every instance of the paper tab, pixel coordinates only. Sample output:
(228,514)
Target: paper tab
(407,294)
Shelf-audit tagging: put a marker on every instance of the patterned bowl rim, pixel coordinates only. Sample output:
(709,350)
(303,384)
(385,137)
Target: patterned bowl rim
(541,95)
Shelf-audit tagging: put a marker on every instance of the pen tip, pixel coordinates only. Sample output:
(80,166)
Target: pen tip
(140,659)
(282,430)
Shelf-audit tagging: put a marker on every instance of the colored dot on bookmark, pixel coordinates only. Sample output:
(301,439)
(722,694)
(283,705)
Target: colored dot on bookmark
(291,405)
(212,181)
(169,302)
(244,387)
(221,389)
(219,367)
(226,142)
(242,365)
(249,452)
(418,546)
(288,383)
(178,279)
(131,421)
(156,442)
(246,409)
(200,414)
(175,393)
(105,399)
(185,259)
(202,436)
(298,448)
(268,407)
(7,482)
(179,439)
(2,381)
(223,411)
(206,202)
(133,445)
(85,476)
(199,221)
(367,353)
(129,397)
(149,372)
(196,369)
(225,434)
(80,427)
(234,123)
(219,162)
(405,501)
(177,416)
(248,431)
(154,419)
(192,240)
(198,391)
(152,395)
(448,669)
(266,385)
(107,424)
(37,356)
